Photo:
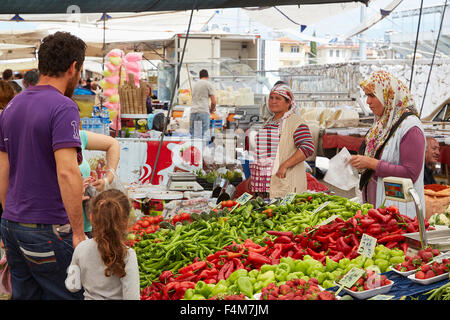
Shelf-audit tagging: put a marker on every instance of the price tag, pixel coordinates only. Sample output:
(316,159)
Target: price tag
(367,245)
(322,206)
(351,277)
(381,297)
(288,198)
(243,199)
(440,257)
(327,221)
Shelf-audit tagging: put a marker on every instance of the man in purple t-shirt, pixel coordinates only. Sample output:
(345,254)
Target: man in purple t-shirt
(40,182)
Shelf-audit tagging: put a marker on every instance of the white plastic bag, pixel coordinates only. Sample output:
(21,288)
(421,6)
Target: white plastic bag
(340,173)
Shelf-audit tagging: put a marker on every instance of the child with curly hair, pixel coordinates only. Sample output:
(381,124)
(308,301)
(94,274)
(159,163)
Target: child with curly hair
(104,266)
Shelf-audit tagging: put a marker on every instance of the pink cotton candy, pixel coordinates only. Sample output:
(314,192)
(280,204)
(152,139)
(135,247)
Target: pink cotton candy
(110,92)
(115,53)
(133,56)
(113,79)
(132,67)
(112,67)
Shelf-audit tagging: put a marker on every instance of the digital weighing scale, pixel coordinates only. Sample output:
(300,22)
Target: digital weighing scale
(402,190)
(183,181)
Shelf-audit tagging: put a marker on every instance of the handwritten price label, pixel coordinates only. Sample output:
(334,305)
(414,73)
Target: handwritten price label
(367,246)
(351,277)
(243,199)
(288,198)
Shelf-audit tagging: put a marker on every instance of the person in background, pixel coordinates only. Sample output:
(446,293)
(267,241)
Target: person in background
(6,94)
(431,158)
(104,266)
(95,141)
(148,99)
(394,145)
(16,87)
(30,78)
(88,84)
(282,146)
(201,110)
(7,75)
(41,188)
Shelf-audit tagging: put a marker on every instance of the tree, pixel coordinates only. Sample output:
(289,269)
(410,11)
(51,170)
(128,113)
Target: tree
(313,50)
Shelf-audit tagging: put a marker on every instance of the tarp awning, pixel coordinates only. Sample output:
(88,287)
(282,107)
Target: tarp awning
(89,6)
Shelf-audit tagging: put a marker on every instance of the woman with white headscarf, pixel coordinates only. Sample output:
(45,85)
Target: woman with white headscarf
(282,146)
(394,145)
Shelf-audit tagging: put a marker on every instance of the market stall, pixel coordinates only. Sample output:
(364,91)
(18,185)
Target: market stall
(263,251)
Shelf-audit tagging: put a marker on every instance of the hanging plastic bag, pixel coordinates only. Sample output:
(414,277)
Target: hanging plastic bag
(5,280)
(340,173)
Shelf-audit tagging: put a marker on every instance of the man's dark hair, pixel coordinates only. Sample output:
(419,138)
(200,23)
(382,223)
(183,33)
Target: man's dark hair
(31,78)
(58,51)
(203,73)
(7,74)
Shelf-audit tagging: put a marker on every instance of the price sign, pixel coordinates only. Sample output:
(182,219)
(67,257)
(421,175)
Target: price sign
(243,199)
(440,257)
(367,246)
(288,198)
(351,277)
(327,221)
(322,206)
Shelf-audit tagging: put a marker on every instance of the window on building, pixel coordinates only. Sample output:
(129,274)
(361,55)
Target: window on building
(331,53)
(294,49)
(337,53)
(281,48)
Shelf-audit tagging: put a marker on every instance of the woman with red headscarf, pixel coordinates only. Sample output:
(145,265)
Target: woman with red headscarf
(280,148)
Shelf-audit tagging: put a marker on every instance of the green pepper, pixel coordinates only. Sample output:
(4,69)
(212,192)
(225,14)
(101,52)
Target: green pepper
(197,297)
(321,277)
(382,264)
(233,289)
(281,274)
(257,286)
(330,265)
(245,286)
(368,262)
(284,266)
(300,265)
(188,294)
(294,275)
(328,284)
(290,262)
(268,267)
(253,273)
(343,263)
(266,277)
(269,224)
(396,260)
(359,261)
(397,252)
(237,274)
(202,288)
(218,288)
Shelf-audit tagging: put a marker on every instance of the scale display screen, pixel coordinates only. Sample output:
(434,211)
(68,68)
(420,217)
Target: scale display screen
(394,190)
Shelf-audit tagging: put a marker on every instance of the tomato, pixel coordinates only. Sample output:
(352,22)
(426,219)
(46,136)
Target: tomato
(150,229)
(151,220)
(145,223)
(185,216)
(176,218)
(136,227)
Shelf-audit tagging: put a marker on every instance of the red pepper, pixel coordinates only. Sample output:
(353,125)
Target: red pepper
(314,254)
(289,234)
(283,239)
(230,270)
(404,247)
(269,242)
(238,264)
(248,243)
(353,253)
(391,244)
(342,246)
(197,266)
(276,252)
(223,270)
(235,254)
(169,287)
(338,256)
(373,229)
(259,250)
(365,222)
(355,241)
(166,277)
(322,239)
(375,214)
(382,210)
(391,238)
(257,258)
(186,275)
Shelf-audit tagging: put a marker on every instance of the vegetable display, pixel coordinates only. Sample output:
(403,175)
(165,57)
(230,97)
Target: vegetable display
(296,289)
(237,250)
